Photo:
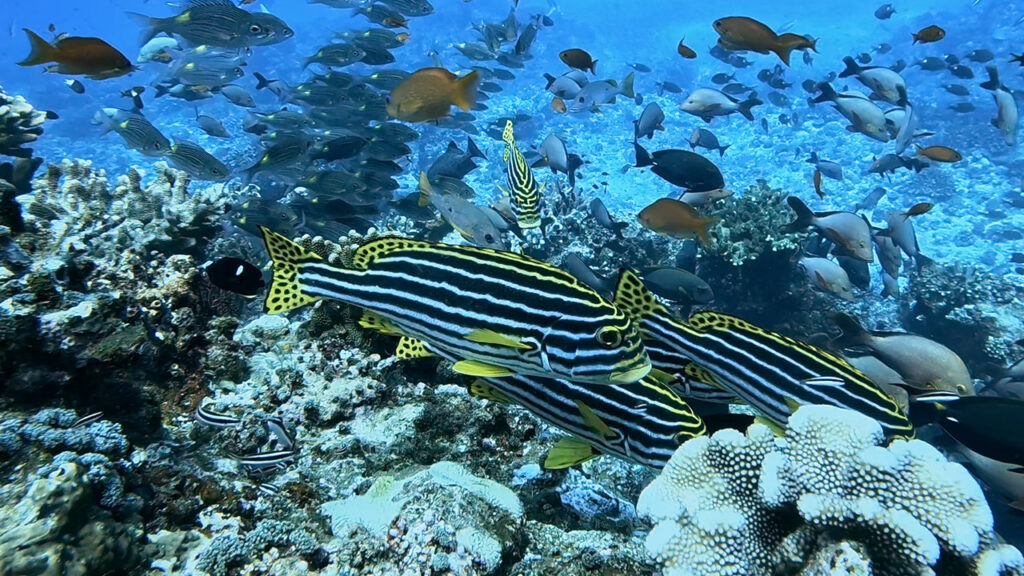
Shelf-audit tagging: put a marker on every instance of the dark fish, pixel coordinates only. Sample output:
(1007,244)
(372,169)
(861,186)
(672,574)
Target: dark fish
(573,264)
(526,38)
(681,168)
(600,213)
(669,87)
(75,86)
(640,67)
(136,131)
(833,170)
(931,64)
(884,12)
(455,163)
(980,55)
(685,51)
(337,55)
(961,71)
(871,200)
(340,148)
(723,78)
(235,275)
(706,139)
(962,107)
(678,285)
(929,34)
(76,55)
(238,96)
(957,89)
(650,120)
(211,126)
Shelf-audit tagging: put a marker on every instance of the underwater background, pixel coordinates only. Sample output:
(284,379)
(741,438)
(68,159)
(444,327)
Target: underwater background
(830,369)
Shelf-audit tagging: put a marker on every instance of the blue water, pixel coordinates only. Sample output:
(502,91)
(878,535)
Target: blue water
(961,228)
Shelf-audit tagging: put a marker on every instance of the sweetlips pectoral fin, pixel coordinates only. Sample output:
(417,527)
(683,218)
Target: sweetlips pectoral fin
(593,421)
(569,452)
(774,426)
(484,336)
(481,369)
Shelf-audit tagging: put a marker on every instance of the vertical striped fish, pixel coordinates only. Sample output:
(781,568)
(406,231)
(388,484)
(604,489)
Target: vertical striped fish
(523,191)
(500,313)
(643,422)
(771,372)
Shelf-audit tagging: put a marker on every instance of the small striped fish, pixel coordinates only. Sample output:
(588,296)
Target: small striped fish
(523,191)
(643,422)
(500,313)
(771,372)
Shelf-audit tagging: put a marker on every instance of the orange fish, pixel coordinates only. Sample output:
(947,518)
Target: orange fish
(685,51)
(76,55)
(817,184)
(918,209)
(676,219)
(558,105)
(939,154)
(929,34)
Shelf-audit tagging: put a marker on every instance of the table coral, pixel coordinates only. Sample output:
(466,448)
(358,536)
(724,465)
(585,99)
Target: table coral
(827,492)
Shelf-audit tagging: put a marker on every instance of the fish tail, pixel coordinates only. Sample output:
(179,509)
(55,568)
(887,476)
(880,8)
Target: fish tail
(549,79)
(813,158)
(804,215)
(261,80)
(993,78)
(285,289)
(473,150)
(593,67)
(852,68)
(722,149)
(150,26)
(41,50)
(746,106)
(465,90)
(627,86)
(425,190)
(702,230)
(783,52)
(643,158)
(828,94)
(852,332)
(922,261)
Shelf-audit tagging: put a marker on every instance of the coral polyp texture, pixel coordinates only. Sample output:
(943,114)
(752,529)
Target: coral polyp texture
(828,494)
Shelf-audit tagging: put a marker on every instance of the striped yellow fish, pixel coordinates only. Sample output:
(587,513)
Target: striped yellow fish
(771,372)
(523,191)
(499,312)
(643,422)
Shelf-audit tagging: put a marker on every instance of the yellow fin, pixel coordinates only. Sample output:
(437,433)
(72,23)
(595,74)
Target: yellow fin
(425,190)
(285,291)
(662,377)
(372,321)
(708,320)
(486,390)
(593,421)
(775,427)
(483,336)
(464,95)
(701,374)
(633,298)
(481,369)
(367,253)
(792,404)
(569,452)
(412,348)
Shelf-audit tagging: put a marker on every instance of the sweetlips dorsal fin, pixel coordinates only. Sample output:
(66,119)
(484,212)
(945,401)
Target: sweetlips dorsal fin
(710,320)
(367,253)
(633,298)
(701,374)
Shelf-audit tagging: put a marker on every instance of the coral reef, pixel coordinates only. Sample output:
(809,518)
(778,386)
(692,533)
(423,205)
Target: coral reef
(827,494)
(106,296)
(20,124)
(974,312)
(752,225)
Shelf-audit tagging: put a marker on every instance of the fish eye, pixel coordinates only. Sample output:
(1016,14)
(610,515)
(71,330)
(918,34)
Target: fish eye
(609,336)
(255,29)
(387,99)
(489,238)
(287,32)
(961,389)
(156,145)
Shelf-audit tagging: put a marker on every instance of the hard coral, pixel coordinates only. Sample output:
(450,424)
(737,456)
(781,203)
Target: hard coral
(755,504)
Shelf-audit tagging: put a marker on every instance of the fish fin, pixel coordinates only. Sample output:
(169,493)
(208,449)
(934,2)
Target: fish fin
(783,53)
(425,190)
(150,26)
(633,298)
(472,150)
(823,381)
(41,51)
(702,230)
(662,377)
(804,215)
(746,106)
(774,426)
(702,375)
(409,348)
(1016,470)
(465,91)
(367,253)
(710,320)
(853,332)
(593,421)
(285,290)
(791,404)
(643,158)
(569,452)
(627,85)
(481,369)
(483,389)
(377,323)
(484,336)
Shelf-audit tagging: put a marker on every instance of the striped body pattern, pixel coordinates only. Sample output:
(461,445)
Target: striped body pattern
(771,372)
(523,191)
(499,309)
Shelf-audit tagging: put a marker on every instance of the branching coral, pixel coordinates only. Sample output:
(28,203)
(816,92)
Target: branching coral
(828,491)
(752,225)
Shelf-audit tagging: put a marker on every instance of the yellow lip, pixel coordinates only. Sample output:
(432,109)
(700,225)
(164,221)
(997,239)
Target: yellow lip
(630,376)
